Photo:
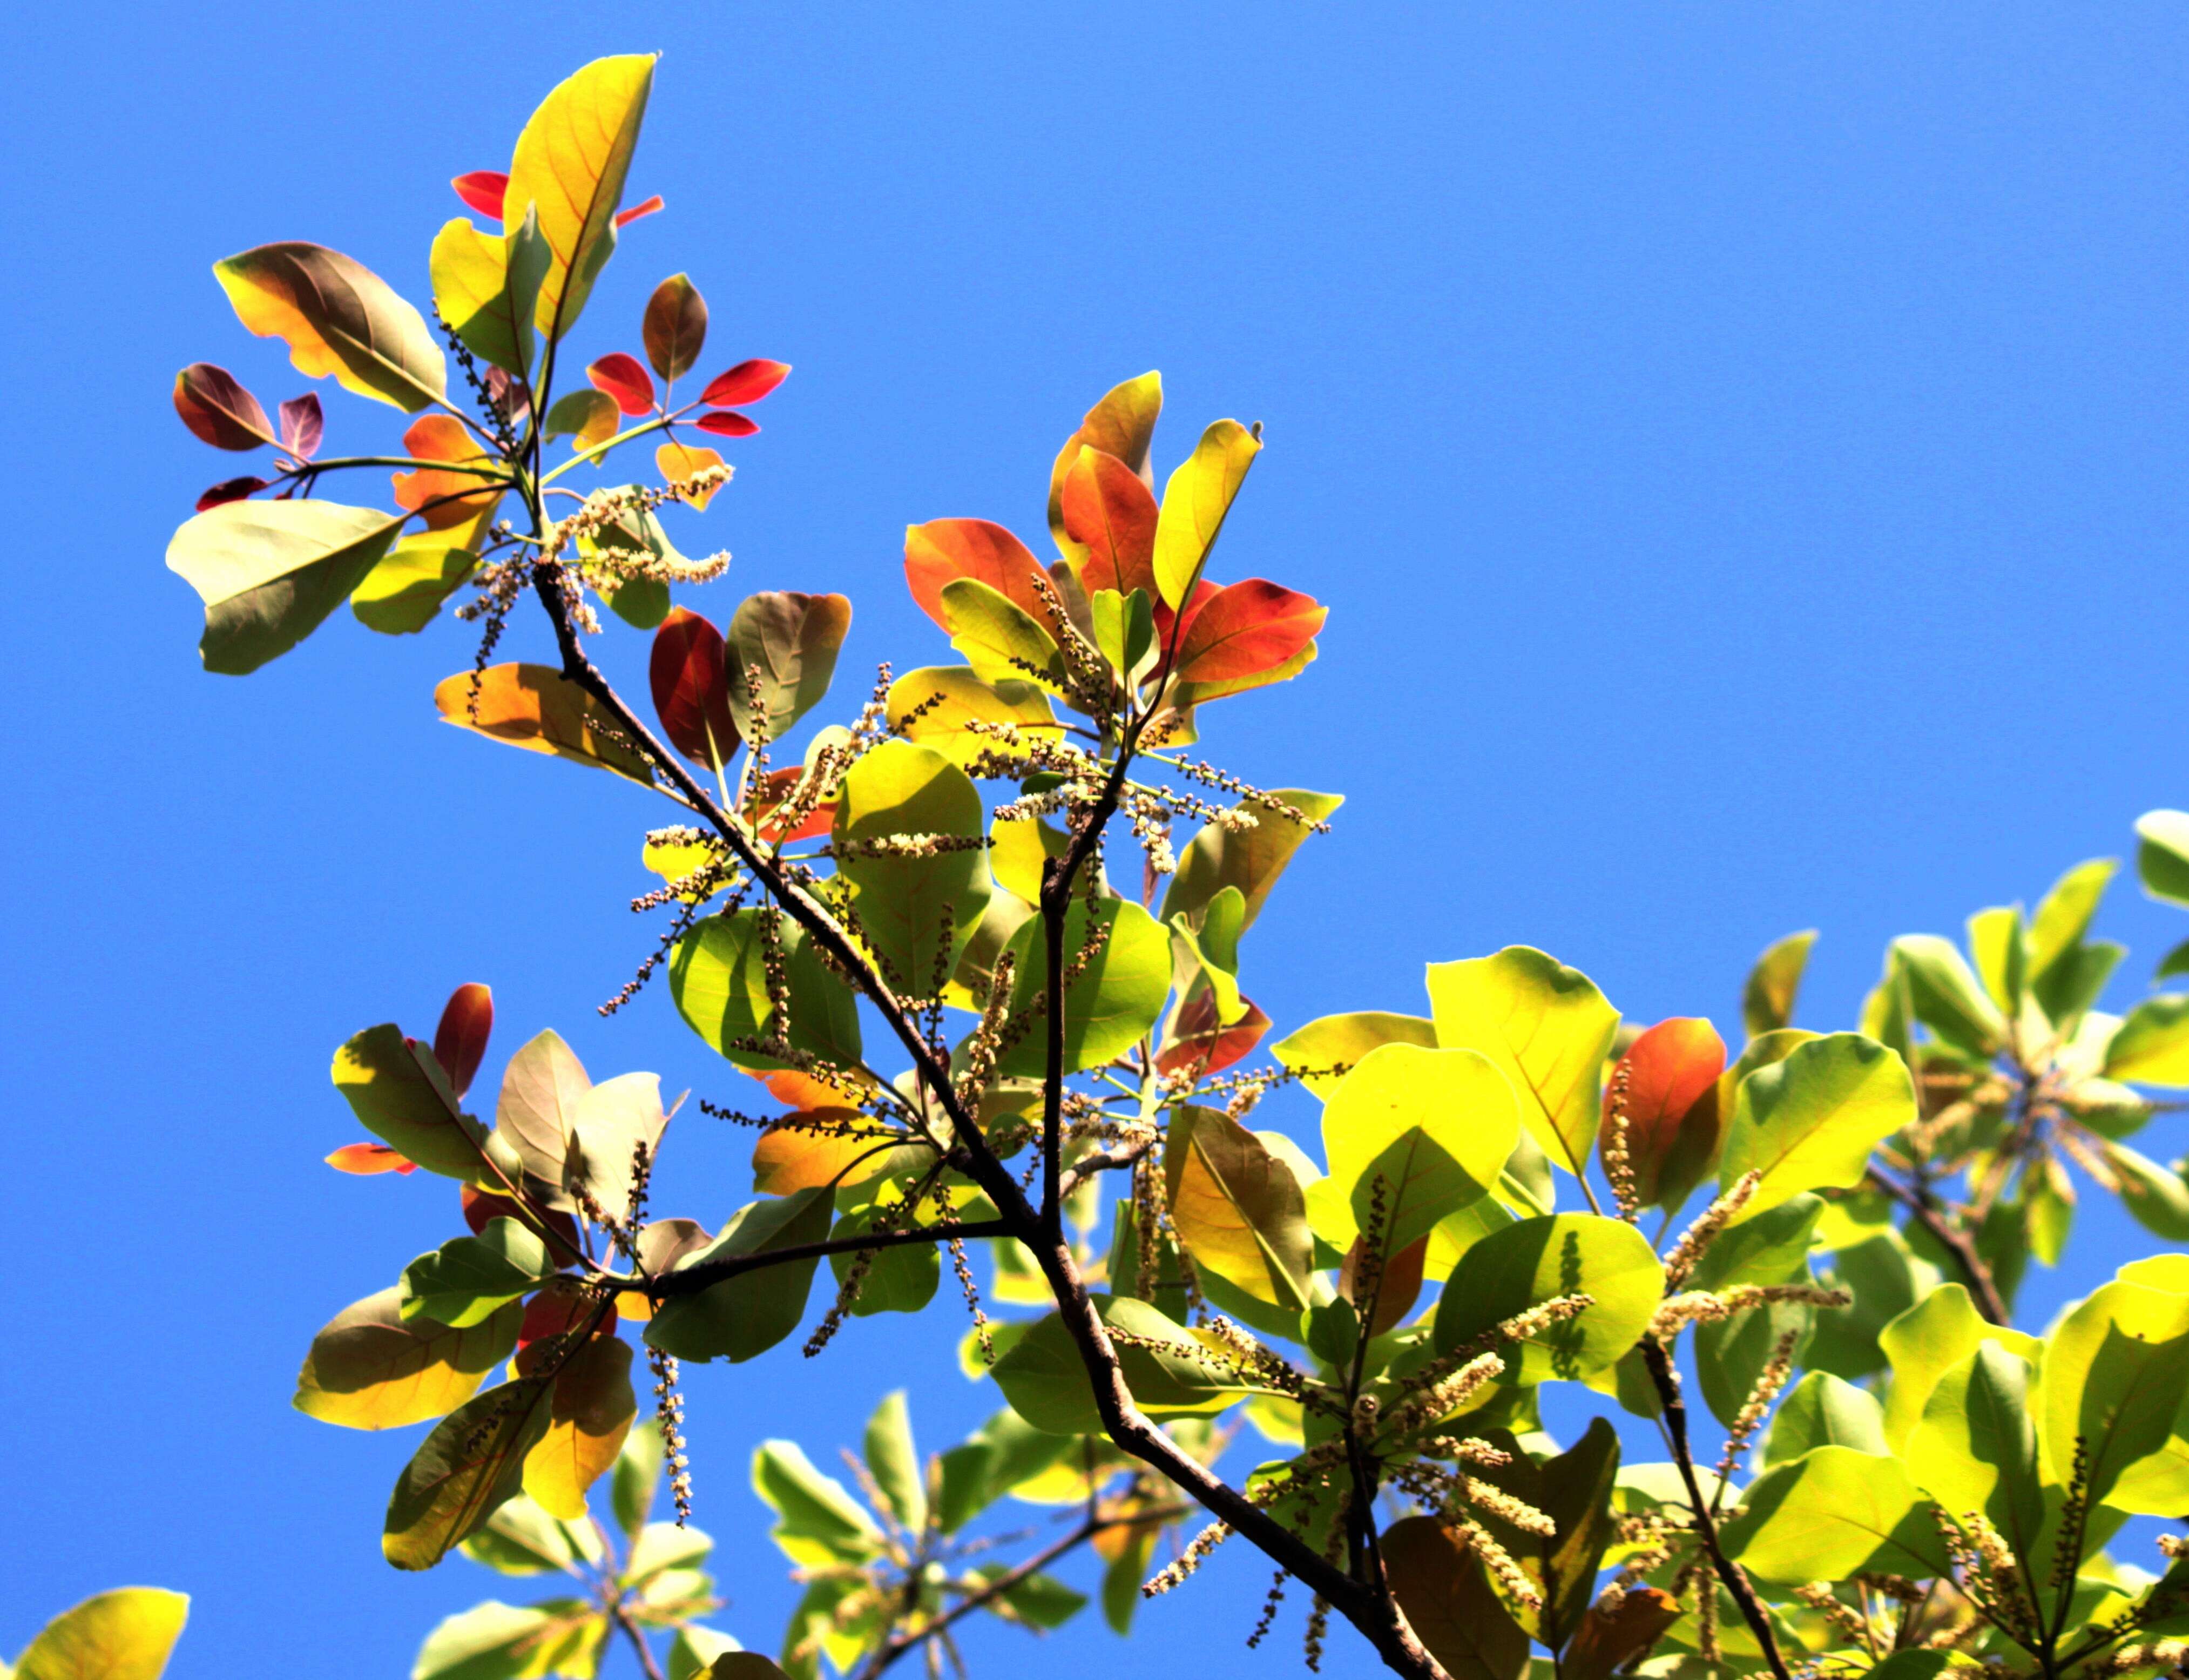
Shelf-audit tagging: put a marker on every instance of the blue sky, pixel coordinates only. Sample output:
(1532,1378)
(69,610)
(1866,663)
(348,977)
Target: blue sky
(1742,451)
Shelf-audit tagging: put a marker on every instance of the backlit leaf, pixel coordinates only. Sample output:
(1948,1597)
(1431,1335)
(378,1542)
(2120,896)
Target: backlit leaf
(745,1315)
(908,905)
(894,1462)
(1767,1002)
(689,672)
(487,287)
(718,974)
(1116,999)
(471,1463)
(1810,1122)
(589,1414)
(2116,1375)
(1923,1342)
(1000,641)
(459,1040)
(367,1159)
(794,639)
(819,1522)
(1947,995)
(1169,1371)
(1672,1107)
(942,551)
(338,317)
(218,411)
(570,162)
(1238,1208)
(589,415)
(1122,424)
(1453,1609)
(1322,1052)
(1536,1260)
(1196,502)
(123,1635)
(1245,629)
(403,592)
(1109,512)
(2162,854)
(1822,1410)
(270,572)
(537,1110)
(1974,1448)
(484,190)
(934,705)
(2152,1046)
(746,382)
(443,498)
(727,423)
(1457,1099)
(537,708)
(370,1369)
(625,383)
(1832,1513)
(675,326)
(398,1091)
(679,462)
(813,1147)
(468,1279)
(1546,1027)
(612,1120)
(1250,859)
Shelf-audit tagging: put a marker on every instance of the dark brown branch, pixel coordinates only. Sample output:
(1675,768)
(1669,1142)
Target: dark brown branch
(1953,1240)
(646,1660)
(691,1279)
(1659,1362)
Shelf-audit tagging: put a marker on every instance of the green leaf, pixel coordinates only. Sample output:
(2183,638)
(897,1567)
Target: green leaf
(570,162)
(1885,1277)
(1196,502)
(1001,641)
(1410,1188)
(1574,1490)
(1822,1410)
(2001,950)
(126,1634)
(1548,1030)
(372,1369)
(1938,1332)
(1810,1122)
(1835,1513)
(2068,988)
(894,1462)
(472,1463)
(1238,1208)
(917,911)
(1458,1099)
(1535,1260)
(637,1477)
(899,1280)
(469,1279)
(399,1093)
(406,588)
(520,1539)
(2116,1374)
(2152,1046)
(2155,1195)
(819,1522)
(1334,1043)
(337,316)
(1976,1449)
(793,640)
(1948,996)
(270,572)
(1171,1372)
(1453,1609)
(1037,1601)
(2162,854)
(1121,1580)
(745,1315)
(1766,1001)
(935,704)
(1250,859)
(1125,632)
(718,974)
(487,287)
(1117,996)
(494,1640)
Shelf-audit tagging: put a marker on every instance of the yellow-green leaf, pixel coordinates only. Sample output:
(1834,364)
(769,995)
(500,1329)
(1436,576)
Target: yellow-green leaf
(372,1369)
(1238,1208)
(1767,1002)
(487,287)
(1250,859)
(1195,504)
(588,1416)
(1116,998)
(270,572)
(1457,1098)
(1531,1261)
(1810,1122)
(471,1464)
(1323,1052)
(123,1635)
(338,317)
(1834,1512)
(400,1093)
(2152,1046)
(718,974)
(403,591)
(935,705)
(1936,1334)
(999,639)
(569,169)
(537,708)
(909,899)
(1548,1030)
(2116,1374)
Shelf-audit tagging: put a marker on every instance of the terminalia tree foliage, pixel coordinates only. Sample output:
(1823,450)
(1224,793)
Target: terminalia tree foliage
(991,1006)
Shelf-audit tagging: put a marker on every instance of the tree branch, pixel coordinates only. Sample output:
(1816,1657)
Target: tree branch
(691,1279)
(1954,1241)
(1659,1361)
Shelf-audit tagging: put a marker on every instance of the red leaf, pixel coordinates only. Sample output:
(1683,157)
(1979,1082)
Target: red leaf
(460,1041)
(365,1159)
(218,410)
(1112,514)
(626,218)
(562,1304)
(1246,628)
(302,425)
(746,382)
(484,190)
(942,551)
(1671,1105)
(775,787)
(691,684)
(624,379)
(231,489)
(1397,1290)
(727,423)
(481,1207)
(1196,1040)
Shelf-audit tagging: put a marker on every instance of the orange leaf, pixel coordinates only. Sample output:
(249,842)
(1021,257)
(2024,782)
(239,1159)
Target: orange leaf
(440,498)
(943,551)
(794,1089)
(680,461)
(537,708)
(1123,424)
(365,1159)
(1112,515)
(775,787)
(691,688)
(791,1156)
(1245,629)
(1198,1040)
(460,1041)
(1671,1106)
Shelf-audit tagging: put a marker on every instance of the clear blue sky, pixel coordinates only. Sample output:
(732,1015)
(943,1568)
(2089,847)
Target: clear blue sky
(1742,449)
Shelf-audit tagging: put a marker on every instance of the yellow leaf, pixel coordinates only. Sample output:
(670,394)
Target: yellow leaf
(123,1635)
(680,461)
(1195,503)
(472,288)
(338,317)
(1458,1097)
(569,167)
(934,706)
(1238,1208)
(587,1418)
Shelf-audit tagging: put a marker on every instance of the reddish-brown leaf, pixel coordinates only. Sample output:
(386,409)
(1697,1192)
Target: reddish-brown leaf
(562,1304)
(691,688)
(231,489)
(1671,1106)
(727,423)
(365,1159)
(1245,629)
(675,326)
(218,411)
(774,788)
(1198,1040)
(746,382)
(460,1041)
(627,383)
(484,190)
(481,1207)
(1112,513)
(942,551)
(1397,1289)
(442,499)
(646,207)
(1607,1643)
(302,425)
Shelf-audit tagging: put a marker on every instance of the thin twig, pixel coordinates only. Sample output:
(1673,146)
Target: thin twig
(1953,1240)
